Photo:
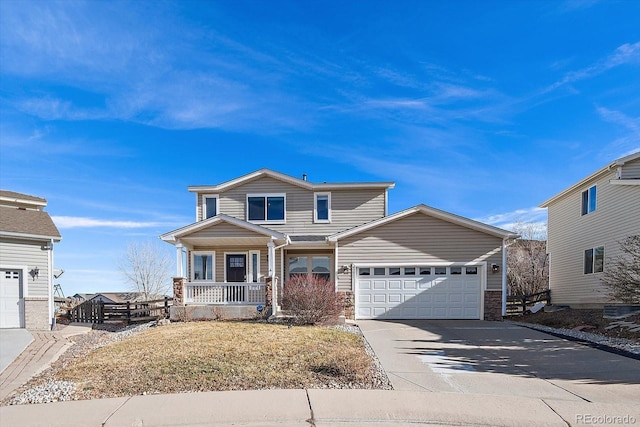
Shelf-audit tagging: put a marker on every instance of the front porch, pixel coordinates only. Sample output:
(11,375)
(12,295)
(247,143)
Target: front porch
(224,293)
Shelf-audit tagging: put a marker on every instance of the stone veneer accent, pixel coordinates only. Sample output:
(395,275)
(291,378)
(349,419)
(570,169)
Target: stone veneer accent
(492,305)
(178,291)
(36,313)
(347,301)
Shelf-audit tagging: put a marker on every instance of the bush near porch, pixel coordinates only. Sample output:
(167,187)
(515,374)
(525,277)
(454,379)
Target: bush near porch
(209,356)
(311,300)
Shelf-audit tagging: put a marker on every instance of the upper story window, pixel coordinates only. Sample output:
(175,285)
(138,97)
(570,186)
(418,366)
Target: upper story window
(322,207)
(594,260)
(266,207)
(589,200)
(209,205)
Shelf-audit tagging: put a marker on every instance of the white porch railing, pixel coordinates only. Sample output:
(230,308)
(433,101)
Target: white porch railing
(224,293)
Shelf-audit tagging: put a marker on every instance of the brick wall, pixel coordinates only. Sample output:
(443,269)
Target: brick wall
(492,305)
(36,313)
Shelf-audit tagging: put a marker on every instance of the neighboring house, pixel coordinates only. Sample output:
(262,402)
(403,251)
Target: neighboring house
(27,237)
(253,233)
(586,223)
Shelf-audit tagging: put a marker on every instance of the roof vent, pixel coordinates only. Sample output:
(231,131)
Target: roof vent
(304,176)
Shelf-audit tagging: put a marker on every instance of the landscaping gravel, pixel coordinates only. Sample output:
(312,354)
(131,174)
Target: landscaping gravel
(620,344)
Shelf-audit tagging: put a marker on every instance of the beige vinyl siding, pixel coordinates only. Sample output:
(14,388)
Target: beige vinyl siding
(570,234)
(348,207)
(29,253)
(419,238)
(223,229)
(631,170)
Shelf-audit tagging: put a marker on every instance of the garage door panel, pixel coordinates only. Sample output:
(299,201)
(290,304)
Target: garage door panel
(10,299)
(442,296)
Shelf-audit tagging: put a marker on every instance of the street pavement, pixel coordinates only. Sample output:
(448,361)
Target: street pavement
(444,373)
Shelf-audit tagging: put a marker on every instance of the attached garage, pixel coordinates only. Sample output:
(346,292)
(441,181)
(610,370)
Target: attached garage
(419,292)
(423,263)
(11,302)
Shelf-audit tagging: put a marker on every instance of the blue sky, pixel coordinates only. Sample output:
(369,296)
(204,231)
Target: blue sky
(110,109)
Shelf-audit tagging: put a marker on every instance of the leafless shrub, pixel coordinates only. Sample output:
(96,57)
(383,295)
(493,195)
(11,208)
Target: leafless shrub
(311,299)
(528,262)
(622,273)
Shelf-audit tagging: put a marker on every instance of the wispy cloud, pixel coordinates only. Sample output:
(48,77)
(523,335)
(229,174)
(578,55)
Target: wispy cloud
(84,222)
(624,54)
(515,219)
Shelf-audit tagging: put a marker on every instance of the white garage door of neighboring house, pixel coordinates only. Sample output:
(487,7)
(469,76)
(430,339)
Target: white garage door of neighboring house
(10,303)
(447,292)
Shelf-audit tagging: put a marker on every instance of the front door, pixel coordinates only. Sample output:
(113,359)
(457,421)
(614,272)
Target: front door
(236,265)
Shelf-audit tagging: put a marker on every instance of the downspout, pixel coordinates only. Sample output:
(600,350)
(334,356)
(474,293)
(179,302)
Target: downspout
(504,277)
(272,270)
(52,320)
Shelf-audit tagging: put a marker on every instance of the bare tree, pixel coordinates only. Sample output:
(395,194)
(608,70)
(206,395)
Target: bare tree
(528,262)
(622,273)
(147,268)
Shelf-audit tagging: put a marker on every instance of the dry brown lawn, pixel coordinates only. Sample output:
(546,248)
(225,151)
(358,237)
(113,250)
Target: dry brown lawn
(206,356)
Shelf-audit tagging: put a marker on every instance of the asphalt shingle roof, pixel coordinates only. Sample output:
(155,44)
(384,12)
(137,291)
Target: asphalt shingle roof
(26,221)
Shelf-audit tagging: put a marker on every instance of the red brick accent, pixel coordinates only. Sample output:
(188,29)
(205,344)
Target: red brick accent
(492,305)
(178,291)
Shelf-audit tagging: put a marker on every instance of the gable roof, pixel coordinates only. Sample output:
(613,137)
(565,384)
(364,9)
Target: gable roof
(433,212)
(174,235)
(21,199)
(615,164)
(288,179)
(27,223)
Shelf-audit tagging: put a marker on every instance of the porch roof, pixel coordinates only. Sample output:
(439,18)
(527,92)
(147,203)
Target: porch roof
(247,233)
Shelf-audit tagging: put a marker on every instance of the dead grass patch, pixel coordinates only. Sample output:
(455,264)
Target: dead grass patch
(211,356)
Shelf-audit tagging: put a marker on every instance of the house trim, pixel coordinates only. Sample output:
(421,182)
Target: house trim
(624,182)
(174,235)
(286,178)
(607,169)
(213,266)
(427,210)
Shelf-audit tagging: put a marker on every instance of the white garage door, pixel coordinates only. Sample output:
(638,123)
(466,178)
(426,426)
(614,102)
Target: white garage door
(419,292)
(10,299)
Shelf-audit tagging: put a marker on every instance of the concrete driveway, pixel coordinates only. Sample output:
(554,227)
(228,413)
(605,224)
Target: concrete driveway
(12,343)
(499,358)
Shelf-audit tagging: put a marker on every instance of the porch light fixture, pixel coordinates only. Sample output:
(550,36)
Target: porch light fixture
(495,268)
(34,273)
(344,269)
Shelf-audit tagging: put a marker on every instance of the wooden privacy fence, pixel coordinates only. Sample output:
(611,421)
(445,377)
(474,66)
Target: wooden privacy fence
(130,312)
(519,304)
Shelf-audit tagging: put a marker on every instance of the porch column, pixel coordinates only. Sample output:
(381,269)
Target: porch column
(271,258)
(179,270)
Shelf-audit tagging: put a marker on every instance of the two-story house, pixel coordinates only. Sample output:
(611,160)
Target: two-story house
(253,233)
(27,236)
(585,225)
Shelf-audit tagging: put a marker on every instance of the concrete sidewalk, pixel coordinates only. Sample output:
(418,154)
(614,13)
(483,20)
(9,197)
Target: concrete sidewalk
(319,408)
(45,349)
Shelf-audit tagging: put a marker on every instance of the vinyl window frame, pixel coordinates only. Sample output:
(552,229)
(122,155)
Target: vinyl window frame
(315,208)
(203,204)
(192,272)
(266,197)
(589,200)
(593,260)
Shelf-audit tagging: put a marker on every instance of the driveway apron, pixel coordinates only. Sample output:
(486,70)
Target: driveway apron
(498,358)
(12,343)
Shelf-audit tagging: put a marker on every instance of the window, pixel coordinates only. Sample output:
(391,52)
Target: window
(266,207)
(471,270)
(317,265)
(254,266)
(589,200)
(209,205)
(379,271)
(440,271)
(456,270)
(364,272)
(425,271)
(409,271)
(322,207)
(394,271)
(202,266)
(594,260)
